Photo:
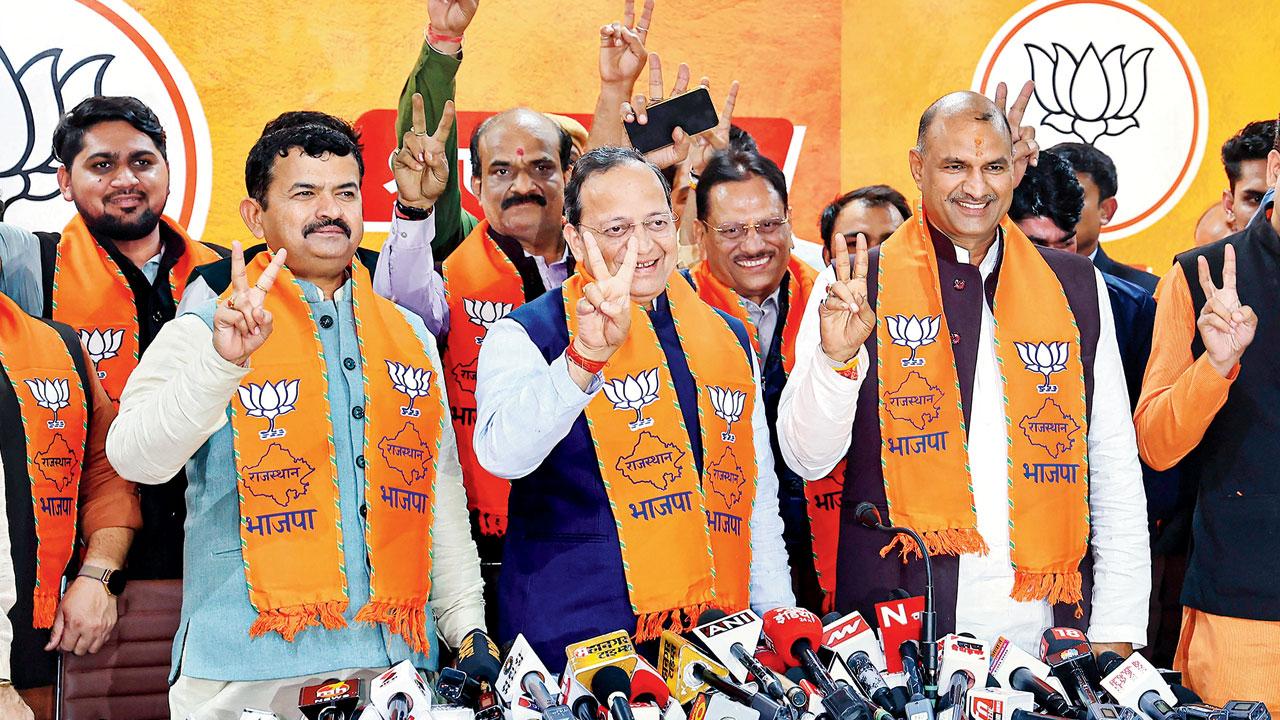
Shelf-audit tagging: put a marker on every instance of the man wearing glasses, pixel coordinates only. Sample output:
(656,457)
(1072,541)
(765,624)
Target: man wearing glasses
(748,272)
(628,416)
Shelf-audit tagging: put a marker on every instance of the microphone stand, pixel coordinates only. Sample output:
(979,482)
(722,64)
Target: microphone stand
(869,516)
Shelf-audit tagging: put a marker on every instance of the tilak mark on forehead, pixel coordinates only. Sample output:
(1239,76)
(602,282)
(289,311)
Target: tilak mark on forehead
(519,152)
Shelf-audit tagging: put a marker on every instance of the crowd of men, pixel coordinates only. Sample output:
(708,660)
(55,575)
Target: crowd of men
(623,397)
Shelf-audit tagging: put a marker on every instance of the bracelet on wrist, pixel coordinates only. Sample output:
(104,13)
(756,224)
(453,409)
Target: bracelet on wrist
(592,367)
(434,37)
(408,212)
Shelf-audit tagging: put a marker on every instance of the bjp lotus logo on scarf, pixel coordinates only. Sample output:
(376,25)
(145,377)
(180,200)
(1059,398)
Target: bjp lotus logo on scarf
(269,400)
(1046,359)
(1093,95)
(913,333)
(634,392)
(728,405)
(101,345)
(485,313)
(53,395)
(412,381)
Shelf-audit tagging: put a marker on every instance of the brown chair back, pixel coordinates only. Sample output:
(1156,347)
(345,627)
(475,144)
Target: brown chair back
(129,677)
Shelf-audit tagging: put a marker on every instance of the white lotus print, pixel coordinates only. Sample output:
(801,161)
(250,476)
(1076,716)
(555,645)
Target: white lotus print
(728,405)
(1045,358)
(33,96)
(101,345)
(634,392)
(913,332)
(52,394)
(485,312)
(412,381)
(1092,95)
(269,400)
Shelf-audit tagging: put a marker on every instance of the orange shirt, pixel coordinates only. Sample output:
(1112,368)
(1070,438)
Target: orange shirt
(1181,394)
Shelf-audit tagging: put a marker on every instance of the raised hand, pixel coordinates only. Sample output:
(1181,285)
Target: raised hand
(845,317)
(1025,148)
(622,53)
(636,109)
(421,167)
(604,312)
(717,138)
(451,17)
(241,324)
(1226,326)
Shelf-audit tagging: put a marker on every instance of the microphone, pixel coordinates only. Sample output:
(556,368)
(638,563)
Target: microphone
(578,698)
(918,707)
(647,686)
(400,694)
(862,669)
(332,699)
(795,633)
(1046,697)
(740,652)
(770,660)
(869,516)
(958,687)
(877,712)
(1070,659)
(612,688)
(676,656)
(764,706)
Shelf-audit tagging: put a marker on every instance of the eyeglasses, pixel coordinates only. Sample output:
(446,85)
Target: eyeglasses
(657,226)
(767,228)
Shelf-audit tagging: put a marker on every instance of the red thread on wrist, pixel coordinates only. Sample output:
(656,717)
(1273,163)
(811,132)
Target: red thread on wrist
(435,37)
(591,366)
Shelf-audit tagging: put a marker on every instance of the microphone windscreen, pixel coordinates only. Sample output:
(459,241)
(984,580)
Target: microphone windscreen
(867,515)
(609,680)
(1185,695)
(478,657)
(648,686)
(785,627)
(1059,640)
(1109,661)
(770,659)
(831,617)
(710,615)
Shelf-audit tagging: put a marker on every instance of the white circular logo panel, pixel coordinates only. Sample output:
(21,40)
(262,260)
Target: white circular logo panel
(1116,75)
(55,53)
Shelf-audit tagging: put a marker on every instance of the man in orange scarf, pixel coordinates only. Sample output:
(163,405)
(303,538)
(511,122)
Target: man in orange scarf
(990,405)
(627,414)
(328,533)
(748,272)
(117,271)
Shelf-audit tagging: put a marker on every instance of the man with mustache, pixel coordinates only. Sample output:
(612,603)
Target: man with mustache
(748,272)
(117,271)
(986,368)
(628,416)
(328,535)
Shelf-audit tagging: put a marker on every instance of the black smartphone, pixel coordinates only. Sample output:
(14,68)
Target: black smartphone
(692,111)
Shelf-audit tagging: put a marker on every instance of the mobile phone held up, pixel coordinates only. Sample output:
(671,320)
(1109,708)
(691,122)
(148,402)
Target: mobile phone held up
(693,112)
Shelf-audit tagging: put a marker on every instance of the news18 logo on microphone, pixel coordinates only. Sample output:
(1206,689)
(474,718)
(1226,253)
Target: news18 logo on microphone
(56,53)
(1118,77)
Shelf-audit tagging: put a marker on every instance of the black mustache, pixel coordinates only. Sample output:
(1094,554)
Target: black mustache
(514,200)
(333,222)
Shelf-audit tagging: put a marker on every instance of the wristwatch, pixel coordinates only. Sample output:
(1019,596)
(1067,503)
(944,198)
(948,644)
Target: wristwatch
(113,580)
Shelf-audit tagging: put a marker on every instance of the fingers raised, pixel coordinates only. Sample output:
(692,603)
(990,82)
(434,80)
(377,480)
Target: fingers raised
(682,80)
(655,75)
(861,258)
(446,122)
(419,114)
(726,114)
(595,260)
(1229,269)
(840,251)
(239,280)
(268,277)
(1019,107)
(1002,96)
(1206,282)
(628,269)
(646,17)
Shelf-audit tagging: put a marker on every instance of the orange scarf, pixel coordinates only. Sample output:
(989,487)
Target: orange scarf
(799,278)
(925,451)
(663,510)
(55,421)
(91,295)
(823,496)
(288,481)
(482,286)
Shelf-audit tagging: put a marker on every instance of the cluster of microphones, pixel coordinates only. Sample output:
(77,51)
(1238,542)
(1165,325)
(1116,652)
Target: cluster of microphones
(787,665)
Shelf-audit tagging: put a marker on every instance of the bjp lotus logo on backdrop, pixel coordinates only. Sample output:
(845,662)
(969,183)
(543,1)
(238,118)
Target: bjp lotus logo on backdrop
(1116,76)
(55,53)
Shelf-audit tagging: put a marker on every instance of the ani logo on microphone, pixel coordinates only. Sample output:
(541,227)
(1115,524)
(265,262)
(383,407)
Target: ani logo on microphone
(728,405)
(1045,358)
(269,400)
(914,333)
(52,395)
(485,313)
(55,53)
(1116,76)
(634,392)
(412,381)
(101,345)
